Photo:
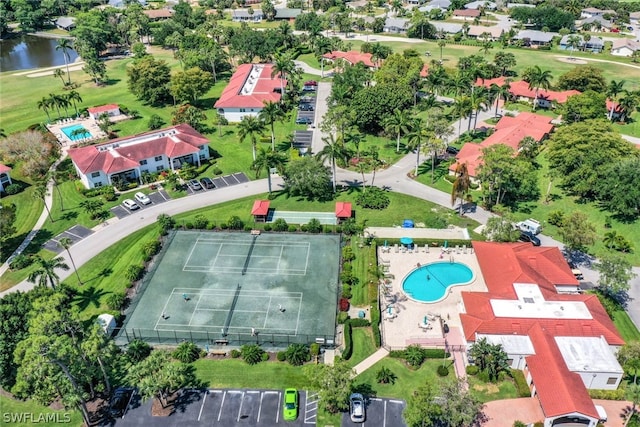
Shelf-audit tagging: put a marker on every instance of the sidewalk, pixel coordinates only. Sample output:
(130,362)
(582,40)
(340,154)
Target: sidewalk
(371,360)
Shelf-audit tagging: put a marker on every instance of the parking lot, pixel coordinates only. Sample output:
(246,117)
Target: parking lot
(240,407)
(75,233)
(156,197)
(221,181)
(307,105)
(380,413)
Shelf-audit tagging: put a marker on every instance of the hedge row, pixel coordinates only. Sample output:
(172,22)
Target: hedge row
(375,325)
(618,394)
(422,242)
(348,341)
(521,383)
(429,353)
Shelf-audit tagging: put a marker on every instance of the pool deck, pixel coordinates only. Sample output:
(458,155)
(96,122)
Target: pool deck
(403,326)
(88,123)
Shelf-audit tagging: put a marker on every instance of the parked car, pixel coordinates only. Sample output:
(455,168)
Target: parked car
(120,401)
(304,120)
(307,100)
(575,270)
(195,185)
(142,198)
(311,83)
(357,410)
(207,183)
(130,204)
(526,236)
(452,150)
(306,107)
(530,225)
(290,410)
(309,88)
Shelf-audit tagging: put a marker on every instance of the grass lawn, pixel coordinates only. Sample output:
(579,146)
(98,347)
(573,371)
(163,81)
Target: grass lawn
(632,128)
(486,392)
(362,294)
(40,415)
(236,373)
(407,379)
(625,326)
(363,345)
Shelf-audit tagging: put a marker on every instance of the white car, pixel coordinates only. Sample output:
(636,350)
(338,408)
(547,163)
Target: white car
(130,204)
(142,198)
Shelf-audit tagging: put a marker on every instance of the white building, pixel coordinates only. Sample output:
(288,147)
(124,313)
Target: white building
(624,47)
(109,109)
(126,159)
(246,15)
(5,178)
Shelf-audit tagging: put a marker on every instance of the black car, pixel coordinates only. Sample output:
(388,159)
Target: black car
(304,120)
(452,150)
(306,107)
(526,236)
(207,183)
(120,401)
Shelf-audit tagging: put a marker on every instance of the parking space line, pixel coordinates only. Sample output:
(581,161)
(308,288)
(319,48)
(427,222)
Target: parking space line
(384,422)
(240,409)
(310,408)
(204,399)
(224,394)
(278,409)
(396,401)
(260,407)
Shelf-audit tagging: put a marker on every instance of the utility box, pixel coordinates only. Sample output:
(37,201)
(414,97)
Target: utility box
(107,322)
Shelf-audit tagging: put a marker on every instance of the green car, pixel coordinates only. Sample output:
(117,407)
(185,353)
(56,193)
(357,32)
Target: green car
(290,412)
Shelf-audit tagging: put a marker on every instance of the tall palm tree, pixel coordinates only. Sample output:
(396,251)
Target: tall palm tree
(283,64)
(267,160)
(416,138)
(271,113)
(478,99)
(500,92)
(55,101)
(46,271)
(613,90)
(397,123)
(66,243)
(58,73)
(74,97)
(460,185)
(333,151)
(251,127)
(537,79)
(65,45)
(356,138)
(41,191)
(573,41)
(44,105)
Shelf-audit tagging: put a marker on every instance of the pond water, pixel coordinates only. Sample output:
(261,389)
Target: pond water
(26,52)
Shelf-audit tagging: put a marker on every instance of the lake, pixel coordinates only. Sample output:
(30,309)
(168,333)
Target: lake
(26,52)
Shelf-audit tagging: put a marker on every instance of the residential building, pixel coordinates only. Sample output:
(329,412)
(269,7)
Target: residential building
(591,12)
(480,4)
(508,131)
(447,27)
(109,109)
(534,37)
(247,15)
(396,25)
(563,341)
(66,23)
(250,87)
(466,14)
(624,47)
(5,177)
(158,14)
(478,31)
(351,57)
(440,4)
(128,158)
(121,4)
(520,91)
(512,5)
(594,22)
(287,13)
(634,18)
(594,44)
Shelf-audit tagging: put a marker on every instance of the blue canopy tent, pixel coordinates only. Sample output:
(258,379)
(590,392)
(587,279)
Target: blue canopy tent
(407,223)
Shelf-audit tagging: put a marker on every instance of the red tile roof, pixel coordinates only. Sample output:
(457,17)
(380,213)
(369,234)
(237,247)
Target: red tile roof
(425,70)
(260,207)
(520,88)
(4,168)
(471,13)
(103,108)
(343,210)
(352,57)
(263,91)
(559,390)
(94,158)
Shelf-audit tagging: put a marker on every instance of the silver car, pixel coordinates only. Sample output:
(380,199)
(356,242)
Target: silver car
(142,198)
(130,204)
(357,409)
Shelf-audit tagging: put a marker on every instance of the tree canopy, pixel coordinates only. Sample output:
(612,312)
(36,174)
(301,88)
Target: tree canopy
(308,177)
(583,78)
(148,80)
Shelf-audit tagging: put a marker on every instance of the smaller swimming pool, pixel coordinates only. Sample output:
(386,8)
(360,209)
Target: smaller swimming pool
(431,282)
(76,132)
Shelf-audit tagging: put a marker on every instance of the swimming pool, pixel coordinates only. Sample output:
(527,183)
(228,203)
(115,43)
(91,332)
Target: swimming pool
(74,132)
(431,282)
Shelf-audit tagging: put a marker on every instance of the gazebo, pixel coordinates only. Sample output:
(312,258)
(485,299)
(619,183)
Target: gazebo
(343,211)
(260,210)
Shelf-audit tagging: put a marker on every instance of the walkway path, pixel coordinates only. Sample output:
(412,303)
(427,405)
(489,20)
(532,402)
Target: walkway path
(371,360)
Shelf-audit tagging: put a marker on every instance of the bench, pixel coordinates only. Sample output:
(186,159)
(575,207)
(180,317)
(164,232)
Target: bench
(218,352)
(221,342)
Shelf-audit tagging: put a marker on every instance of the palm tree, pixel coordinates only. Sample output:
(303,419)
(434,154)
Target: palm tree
(500,92)
(609,239)
(397,123)
(65,45)
(613,90)
(537,79)
(356,138)
(416,137)
(41,191)
(58,73)
(487,45)
(333,151)
(44,105)
(51,176)
(460,185)
(55,101)
(573,41)
(66,243)
(478,100)
(271,113)
(267,160)
(441,44)
(74,97)
(461,109)
(46,271)
(251,127)
(283,65)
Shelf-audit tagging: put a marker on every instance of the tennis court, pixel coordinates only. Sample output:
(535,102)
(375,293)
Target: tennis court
(236,288)
(326,218)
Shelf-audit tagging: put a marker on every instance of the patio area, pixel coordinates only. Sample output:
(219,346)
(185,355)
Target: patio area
(64,130)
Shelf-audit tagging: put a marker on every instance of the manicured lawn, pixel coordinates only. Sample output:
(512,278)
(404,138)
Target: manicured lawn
(486,392)
(625,326)
(39,415)
(632,128)
(363,345)
(365,258)
(236,373)
(407,379)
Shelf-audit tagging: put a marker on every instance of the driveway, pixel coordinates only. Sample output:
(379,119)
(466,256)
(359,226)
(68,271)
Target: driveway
(502,413)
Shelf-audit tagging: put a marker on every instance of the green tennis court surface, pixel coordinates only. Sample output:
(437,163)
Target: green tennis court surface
(235,288)
(327,218)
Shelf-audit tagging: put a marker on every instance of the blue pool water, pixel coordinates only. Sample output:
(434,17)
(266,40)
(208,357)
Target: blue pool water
(69,132)
(430,283)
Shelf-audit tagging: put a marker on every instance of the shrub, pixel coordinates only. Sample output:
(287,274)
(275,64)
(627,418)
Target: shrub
(235,353)
(267,227)
(292,228)
(518,423)
(138,350)
(134,272)
(150,248)
(435,353)
(265,356)
(375,325)
(344,304)
(373,198)
(13,189)
(297,354)
(348,341)
(483,376)
(414,355)
(21,261)
(556,218)
(235,223)
(116,301)
(200,222)
(472,370)
(281,356)
(217,171)
(280,225)
(155,122)
(618,394)
(521,383)
(385,376)
(347,254)
(109,193)
(346,291)
(442,370)
(251,353)
(187,352)
(314,349)
(314,226)
(397,354)
(342,317)
(359,323)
